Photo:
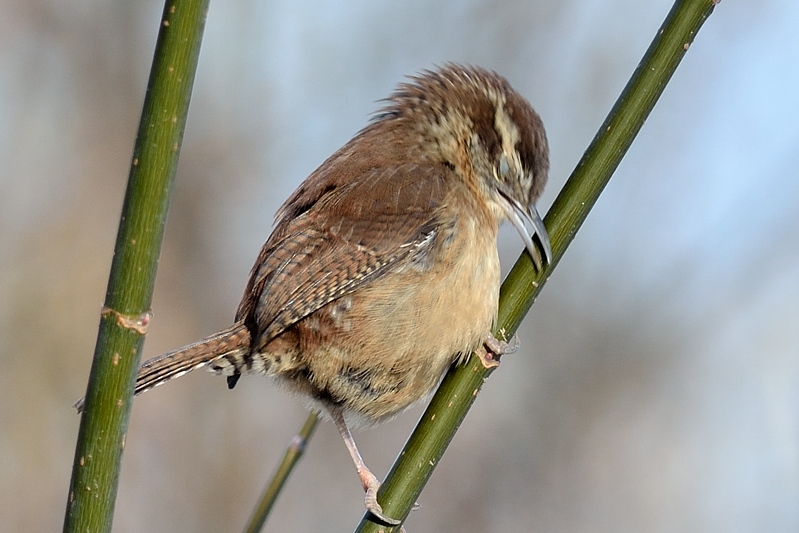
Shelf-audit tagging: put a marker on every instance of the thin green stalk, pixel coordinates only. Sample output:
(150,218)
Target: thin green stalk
(125,315)
(449,406)
(293,454)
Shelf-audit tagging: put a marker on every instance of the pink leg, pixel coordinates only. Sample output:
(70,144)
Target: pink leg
(368,480)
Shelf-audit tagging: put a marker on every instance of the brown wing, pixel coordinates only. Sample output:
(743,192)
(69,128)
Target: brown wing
(354,233)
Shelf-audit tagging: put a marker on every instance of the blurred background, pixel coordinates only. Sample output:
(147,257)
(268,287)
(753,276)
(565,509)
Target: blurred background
(657,388)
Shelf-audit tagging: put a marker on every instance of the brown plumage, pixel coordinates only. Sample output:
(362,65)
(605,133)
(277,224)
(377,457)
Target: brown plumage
(382,269)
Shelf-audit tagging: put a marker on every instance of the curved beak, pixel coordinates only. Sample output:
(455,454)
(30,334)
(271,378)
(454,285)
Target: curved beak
(518,214)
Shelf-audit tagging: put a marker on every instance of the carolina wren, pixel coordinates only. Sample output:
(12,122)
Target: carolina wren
(382,269)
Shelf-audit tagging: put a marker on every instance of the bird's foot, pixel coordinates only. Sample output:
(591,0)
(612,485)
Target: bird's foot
(494,349)
(371,485)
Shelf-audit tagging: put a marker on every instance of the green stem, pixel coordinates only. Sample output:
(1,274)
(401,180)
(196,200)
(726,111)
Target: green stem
(293,454)
(125,316)
(452,401)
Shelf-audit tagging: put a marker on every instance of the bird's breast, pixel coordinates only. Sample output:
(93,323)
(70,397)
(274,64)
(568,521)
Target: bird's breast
(386,345)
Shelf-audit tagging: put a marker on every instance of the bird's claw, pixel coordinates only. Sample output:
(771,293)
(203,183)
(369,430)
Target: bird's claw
(495,348)
(370,502)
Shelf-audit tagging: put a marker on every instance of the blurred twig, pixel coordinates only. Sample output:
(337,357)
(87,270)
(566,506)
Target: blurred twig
(292,455)
(458,391)
(125,316)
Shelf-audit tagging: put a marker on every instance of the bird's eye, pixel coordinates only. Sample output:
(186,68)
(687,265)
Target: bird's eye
(504,167)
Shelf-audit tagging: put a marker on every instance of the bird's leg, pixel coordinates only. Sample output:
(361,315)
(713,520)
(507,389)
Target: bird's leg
(368,480)
(496,349)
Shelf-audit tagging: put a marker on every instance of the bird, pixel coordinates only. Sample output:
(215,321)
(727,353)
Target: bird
(382,268)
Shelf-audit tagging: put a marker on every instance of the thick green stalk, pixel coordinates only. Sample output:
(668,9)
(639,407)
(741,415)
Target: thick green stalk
(125,315)
(459,389)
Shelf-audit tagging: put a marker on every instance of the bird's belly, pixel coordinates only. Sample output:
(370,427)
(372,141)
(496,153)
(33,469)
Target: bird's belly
(391,340)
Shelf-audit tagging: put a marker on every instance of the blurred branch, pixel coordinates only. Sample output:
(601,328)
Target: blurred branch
(125,316)
(293,454)
(457,392)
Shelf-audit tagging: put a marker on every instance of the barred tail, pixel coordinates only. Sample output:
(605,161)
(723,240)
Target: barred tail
(226,349)
(230,344)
